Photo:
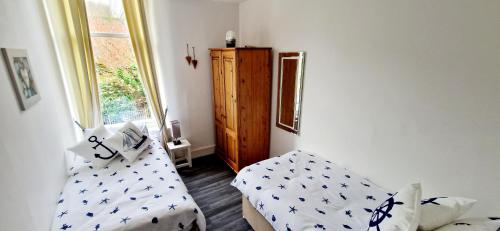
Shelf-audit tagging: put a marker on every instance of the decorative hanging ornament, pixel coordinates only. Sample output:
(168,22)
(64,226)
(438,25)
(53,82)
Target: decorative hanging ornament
(188,58)
(195,62)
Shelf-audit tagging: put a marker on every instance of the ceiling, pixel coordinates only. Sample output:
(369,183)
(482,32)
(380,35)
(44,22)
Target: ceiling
(229,1)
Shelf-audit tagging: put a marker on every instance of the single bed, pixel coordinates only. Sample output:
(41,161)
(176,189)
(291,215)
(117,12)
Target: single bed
(147,194)
(301,191)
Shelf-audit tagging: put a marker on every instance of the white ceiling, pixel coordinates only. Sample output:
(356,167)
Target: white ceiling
(229,1)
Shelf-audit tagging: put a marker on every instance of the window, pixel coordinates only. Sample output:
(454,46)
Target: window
(121,93)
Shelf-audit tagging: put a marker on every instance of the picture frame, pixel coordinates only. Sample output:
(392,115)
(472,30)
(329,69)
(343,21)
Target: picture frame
(21,76)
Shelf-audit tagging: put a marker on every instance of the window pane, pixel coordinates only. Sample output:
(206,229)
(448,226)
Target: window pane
(120,90)
(106,16)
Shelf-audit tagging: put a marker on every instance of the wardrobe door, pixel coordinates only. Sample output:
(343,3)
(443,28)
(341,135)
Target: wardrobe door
(219,98)
(231,139)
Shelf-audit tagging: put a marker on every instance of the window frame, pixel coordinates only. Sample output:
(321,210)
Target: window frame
(109,35)
(119,35)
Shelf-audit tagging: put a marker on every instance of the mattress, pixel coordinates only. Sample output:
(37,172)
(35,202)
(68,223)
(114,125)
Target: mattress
(302,191)
(147,194)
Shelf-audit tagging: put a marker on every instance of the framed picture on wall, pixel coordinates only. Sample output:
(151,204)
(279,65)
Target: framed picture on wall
(21,76)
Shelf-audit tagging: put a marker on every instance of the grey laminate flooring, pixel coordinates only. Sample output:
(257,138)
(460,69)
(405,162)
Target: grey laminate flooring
(208,183)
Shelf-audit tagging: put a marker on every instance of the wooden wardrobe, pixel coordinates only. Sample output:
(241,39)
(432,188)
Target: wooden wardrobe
(242,79)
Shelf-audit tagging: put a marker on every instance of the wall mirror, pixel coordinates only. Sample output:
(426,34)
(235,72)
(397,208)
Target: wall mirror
(290,78)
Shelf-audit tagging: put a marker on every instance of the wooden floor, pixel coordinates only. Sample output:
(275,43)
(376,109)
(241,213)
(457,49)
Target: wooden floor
(208,183)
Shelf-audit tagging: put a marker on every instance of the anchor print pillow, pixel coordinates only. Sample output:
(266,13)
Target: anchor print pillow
(93,149)
(129,140)
(473,224)
(439,211)
(401,212)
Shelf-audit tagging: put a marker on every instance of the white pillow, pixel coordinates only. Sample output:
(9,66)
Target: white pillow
(473,224)
(129,141)
(401,212)
(113,128)
(75,163)
(93,148)
(439,211)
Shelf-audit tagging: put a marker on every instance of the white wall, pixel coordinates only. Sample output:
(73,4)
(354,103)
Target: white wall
(399,91)
(31,142)
(203,24)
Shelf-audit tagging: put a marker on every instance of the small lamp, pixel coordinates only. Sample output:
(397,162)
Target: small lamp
(176,131)
(230,39)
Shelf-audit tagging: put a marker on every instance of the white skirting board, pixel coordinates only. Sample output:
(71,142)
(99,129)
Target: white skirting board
(203,151)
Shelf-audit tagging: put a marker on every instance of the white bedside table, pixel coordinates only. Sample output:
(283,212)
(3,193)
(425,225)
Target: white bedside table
(184,146)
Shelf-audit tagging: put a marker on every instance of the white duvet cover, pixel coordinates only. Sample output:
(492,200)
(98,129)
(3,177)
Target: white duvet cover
(147,194)
(301,191)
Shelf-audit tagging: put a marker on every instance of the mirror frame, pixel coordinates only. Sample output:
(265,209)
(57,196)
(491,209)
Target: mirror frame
(299,78)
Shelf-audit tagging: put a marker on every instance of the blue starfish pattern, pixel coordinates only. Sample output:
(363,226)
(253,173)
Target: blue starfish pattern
(124,220)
